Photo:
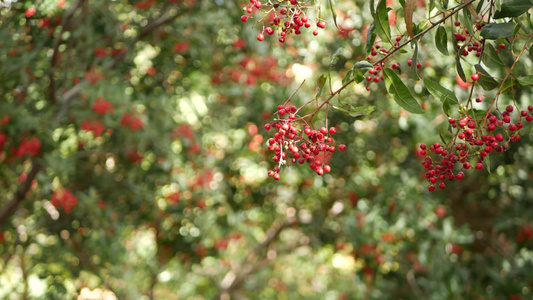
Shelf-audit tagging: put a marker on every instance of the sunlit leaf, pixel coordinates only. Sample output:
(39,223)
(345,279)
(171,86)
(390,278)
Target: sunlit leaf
(400,93)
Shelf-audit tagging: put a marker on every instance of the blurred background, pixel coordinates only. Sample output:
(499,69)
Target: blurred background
(133,163)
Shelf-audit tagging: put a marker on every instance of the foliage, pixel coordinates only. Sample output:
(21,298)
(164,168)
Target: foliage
(134,162)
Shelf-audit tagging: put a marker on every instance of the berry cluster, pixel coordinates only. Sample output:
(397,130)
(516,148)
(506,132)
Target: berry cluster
(300,146)
(376,54)
(290,16)
(64,198)
(471,43)
(473,141)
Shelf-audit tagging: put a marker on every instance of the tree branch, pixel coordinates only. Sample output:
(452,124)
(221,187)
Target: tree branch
(53,59)
(8,209)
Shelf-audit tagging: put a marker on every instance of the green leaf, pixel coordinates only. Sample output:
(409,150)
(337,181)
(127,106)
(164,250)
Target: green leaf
(511,9)
(490,58)
(458,66)
(414,62)
(370,38)
(485,80)
(321,82)
(468,20)
(509,85)
(381,20)
(362,65)
(358,111)
(495,31)
(335,57)
(333,12)
(400,93)
(440,92)
(441,40)
(526,80)
(487,162)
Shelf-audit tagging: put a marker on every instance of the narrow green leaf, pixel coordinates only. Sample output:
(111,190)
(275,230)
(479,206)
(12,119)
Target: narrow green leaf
(414,62)
(321,82)
(458,66)
(335,57)
(511,9)
(485,80)
(490,58)
(381,20)
(495,31)
(333,12)
(441,40)
(370,38)
(440,92)
(468,20)
(400,93)
(358,111)
(526,80)
(348,76)
(487,162)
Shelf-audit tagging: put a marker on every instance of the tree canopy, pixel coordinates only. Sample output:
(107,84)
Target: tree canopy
(193,149)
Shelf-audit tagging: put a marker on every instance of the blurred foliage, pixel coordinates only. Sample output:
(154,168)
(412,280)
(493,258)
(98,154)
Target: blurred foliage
(167,180)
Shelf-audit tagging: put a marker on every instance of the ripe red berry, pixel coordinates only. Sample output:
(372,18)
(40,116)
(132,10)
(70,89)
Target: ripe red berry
(418,65)
(327,168)
(509,108)
(502,46)
(321,24)
(268,126)
(442,185)
(258,4)
(457,23)
(324,130)
(276,176)
(475,76)
(479,166)
(244,18)
(260,37)
(431,188)
(269,30)
(342,147)
(332,130)
(315,32)
(479,99)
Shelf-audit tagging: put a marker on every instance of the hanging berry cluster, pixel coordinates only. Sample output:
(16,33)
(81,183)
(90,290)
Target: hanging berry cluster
(289,16)
(293,144)
(474,139)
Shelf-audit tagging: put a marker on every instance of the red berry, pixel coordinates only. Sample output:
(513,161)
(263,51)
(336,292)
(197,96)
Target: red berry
(502,46)
(457,23)
(260,37)
(509,108)
(342,147)
(276,176)
(475,77)
(332,130)
(315,32)
(327,168)
(431,188)
(258,4)
(244,18)
(324,130)
(442,185)
(269,30)
(268,126)
(479,99)
(321,24)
